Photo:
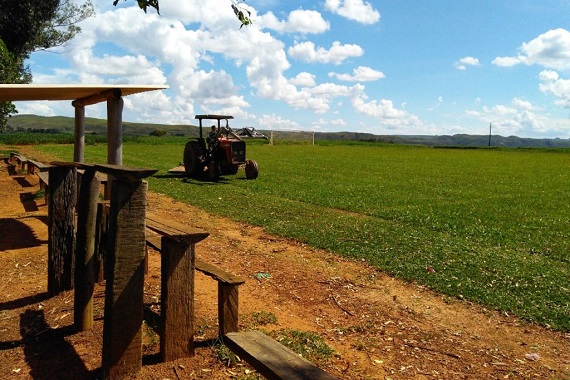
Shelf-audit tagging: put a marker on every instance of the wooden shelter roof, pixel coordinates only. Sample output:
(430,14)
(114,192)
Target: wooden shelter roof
(27,92)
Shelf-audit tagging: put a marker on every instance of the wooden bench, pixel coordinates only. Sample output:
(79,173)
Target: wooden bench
(228,283)
(16,159)
(43,175)
(272,359)
(33,165)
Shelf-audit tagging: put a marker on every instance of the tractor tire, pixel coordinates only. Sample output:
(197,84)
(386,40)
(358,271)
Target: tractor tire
(229,168)
(213,171)
(193,158)
(251,169)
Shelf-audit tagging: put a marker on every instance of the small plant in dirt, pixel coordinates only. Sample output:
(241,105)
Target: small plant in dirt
(150,337)
(202,328)
(40,194)
(262,318)
(225,355)
(309,345)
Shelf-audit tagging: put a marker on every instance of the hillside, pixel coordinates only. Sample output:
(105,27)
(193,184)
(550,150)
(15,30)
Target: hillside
(61,124)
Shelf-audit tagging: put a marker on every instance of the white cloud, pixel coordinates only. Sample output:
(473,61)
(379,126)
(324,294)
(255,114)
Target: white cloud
(466,61)
(275,122)
(518,117)
(298,21)
(385,112)
(551,83)
(356,10)
(360,74)
(303,79)
(338,53)
(550,50)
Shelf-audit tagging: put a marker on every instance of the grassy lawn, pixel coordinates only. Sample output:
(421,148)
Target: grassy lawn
(494,224)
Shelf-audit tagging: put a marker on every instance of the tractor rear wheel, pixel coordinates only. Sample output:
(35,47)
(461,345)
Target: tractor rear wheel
(193,158)
(213,171)
(251,169)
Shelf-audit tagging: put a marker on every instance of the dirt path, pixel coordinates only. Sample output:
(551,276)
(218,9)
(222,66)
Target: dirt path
(379,327)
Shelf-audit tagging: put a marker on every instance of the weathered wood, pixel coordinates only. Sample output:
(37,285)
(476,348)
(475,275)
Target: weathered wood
(101,237)
(272,359)
(79,133)
(177,231)
(228,291)
(228,312)
(33,165)
(177,299)
(124,267)
(85,268)
(18,159)
(218,274)
(115,130)
(125,173)
(61,228)
(208,269)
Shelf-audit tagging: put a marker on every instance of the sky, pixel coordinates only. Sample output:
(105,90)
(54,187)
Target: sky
(405,67)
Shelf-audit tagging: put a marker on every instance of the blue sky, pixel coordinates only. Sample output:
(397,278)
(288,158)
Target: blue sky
(384,67)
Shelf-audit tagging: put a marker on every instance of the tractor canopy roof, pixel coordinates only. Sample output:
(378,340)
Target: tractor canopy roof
(213,117)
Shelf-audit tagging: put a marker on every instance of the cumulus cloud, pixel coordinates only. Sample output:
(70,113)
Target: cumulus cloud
(355,10)
(298,21)
(338,53)
(550,50)
(304,79)
(464,62)
(360,74)
(276,122)
(552,84)
(385,112)
(520,116)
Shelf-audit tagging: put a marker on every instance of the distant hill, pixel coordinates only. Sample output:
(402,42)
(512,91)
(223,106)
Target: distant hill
(61,124)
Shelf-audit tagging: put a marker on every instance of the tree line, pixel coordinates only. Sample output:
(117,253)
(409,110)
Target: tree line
(27,26)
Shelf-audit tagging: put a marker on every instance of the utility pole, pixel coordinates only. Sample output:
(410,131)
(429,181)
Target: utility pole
(490,127)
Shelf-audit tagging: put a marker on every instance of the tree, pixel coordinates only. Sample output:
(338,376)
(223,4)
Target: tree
(144,4)
(30,25)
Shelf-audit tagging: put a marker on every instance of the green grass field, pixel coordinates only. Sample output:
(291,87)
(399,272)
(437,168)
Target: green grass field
(494,224)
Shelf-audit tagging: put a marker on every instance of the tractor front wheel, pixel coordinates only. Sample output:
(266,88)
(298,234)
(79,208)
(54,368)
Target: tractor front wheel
(251,169)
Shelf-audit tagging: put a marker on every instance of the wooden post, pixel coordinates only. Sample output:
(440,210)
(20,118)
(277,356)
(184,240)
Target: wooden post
(177,299)
(79,136)
(177,291)
(85,260)
(61,227)
(122,339)
(228,297)
(115,130)
(101,237)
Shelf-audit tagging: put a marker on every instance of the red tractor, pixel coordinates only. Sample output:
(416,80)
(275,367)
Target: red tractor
(221,152)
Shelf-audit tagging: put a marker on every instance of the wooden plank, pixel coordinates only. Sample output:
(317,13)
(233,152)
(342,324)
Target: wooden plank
(44,179)
(39,165)
(61,228)
(125,173)
(177,299)
(85,260)
(272,359)
(174,230)
(211,270)
(228,308)
(218,274)
(124,267)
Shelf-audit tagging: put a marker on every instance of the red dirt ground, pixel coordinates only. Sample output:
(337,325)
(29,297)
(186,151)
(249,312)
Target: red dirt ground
(378,326)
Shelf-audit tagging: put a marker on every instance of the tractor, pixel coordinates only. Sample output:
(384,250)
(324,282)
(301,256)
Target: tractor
(221,152)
